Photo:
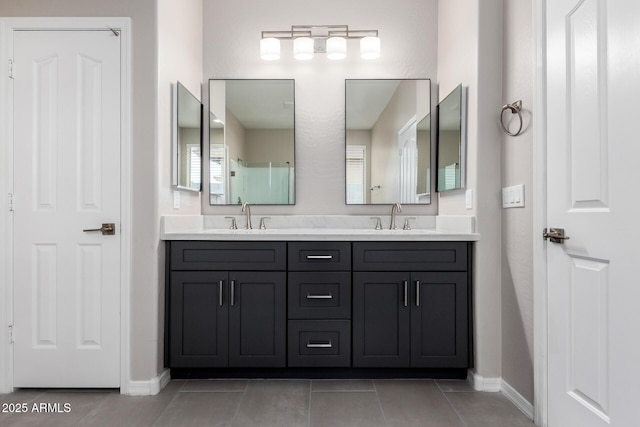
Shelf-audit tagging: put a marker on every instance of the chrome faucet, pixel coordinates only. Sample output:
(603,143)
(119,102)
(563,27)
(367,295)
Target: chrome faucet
(395,208)
(246,209)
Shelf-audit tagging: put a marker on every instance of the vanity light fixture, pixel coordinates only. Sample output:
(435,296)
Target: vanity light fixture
(310,39)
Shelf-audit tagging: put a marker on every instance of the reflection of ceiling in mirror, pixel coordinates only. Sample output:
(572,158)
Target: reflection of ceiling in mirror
(449,114)
(261,104)
(365,101)
(188,108)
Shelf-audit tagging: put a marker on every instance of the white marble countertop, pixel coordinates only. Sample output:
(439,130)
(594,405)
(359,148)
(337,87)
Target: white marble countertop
(321,227)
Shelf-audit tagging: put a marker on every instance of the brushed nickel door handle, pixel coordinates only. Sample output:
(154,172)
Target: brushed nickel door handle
(107,229)
(555,235)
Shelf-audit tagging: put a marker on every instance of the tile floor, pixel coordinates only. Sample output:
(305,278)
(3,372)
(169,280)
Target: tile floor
(266,403)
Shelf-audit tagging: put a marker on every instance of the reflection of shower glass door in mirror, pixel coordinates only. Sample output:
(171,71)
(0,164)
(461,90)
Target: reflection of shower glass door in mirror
(251,142)
(388,141)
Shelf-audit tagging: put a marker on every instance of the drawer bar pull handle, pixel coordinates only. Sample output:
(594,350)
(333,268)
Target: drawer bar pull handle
(406,293)
(319,256)
(310,296)
(417,293)
(319,344)
(233,293)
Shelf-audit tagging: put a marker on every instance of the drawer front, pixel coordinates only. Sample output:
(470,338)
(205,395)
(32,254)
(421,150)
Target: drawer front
(236,256)
(323,295)
(319,343)
(410,256)
(319,256)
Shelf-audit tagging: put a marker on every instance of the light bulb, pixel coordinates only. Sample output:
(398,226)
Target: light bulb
(303,48)
(336,48)
(270,49)
(369,48)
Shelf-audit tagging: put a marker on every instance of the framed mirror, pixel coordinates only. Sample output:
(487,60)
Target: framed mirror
(252,142)
(187,140)
(452,141)
(388,141)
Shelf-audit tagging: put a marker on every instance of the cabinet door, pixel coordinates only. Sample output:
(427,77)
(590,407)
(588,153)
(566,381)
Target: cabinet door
(257,319)
(381,320)
(439,320)
(198,322)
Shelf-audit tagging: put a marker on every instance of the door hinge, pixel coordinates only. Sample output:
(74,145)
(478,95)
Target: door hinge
(10,202)
(11,68)
(10,334)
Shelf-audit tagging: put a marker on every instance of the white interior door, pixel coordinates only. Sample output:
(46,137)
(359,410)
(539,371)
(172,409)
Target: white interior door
(593,87)
(66,123)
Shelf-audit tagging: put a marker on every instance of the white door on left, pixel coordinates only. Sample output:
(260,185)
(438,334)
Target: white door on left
(66,146)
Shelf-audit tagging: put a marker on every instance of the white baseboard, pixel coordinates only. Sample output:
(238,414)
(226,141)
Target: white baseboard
(516,398)
(147,388)
(481,383)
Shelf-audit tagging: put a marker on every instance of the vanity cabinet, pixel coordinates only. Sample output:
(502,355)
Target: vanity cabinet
(411,305)
(227,304)
(299,304)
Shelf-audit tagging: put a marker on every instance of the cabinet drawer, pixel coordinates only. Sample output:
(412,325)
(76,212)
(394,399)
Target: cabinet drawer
(323,295)
(236,256)
(319,256)
(319,343)
(410,256)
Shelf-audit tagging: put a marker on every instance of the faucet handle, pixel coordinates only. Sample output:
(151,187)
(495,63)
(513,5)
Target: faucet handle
(407,226)
(378,222)
(234,225)
(262,224)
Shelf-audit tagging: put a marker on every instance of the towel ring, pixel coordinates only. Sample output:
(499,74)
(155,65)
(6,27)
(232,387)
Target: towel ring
(515,109)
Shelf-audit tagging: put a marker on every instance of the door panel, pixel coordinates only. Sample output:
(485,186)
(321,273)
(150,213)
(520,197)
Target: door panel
(439,332)
(381,328)
(257,319)
(199,319)
(66,143)
(592,62)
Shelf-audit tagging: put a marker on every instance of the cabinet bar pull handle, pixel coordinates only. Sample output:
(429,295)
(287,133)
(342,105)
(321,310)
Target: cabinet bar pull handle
(406,293)
(319,256)
(328,296)
(233,293)
(417,293)
(319,344)
(220,291)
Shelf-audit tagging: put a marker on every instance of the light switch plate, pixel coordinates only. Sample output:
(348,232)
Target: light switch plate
(513,197)
(176,200)
(468,199)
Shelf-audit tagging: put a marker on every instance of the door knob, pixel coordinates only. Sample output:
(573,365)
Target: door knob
(556,235)
(107,229)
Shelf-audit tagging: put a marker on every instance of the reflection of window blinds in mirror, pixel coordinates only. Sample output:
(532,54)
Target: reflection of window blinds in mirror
(356,174)
(451,176)
(216,170)
(194,166)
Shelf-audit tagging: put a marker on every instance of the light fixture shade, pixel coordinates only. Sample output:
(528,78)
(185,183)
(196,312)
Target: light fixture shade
(369,48)
(303,48)
(336,48)
(270,49)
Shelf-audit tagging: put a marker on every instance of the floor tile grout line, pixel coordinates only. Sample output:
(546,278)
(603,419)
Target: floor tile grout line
(384,415)
(235,413)
(454,408)
(168,405)
(95,409)
(309,400)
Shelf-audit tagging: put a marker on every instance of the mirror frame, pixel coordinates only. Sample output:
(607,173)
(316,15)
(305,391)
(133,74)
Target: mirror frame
(415,121)
(179,88)
(293,180)
(462,140)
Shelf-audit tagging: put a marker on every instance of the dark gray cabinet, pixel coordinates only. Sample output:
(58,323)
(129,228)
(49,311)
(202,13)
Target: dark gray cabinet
(411,318)
(319,305)
(227,318)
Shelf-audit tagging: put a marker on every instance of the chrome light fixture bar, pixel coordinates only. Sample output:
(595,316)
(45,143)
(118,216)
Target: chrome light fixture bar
(311,39)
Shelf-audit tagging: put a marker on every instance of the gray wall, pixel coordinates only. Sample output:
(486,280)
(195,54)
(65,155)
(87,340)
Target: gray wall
(408,31)
(517,224)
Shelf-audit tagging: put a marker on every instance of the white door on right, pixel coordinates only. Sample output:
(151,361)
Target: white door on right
(593,160)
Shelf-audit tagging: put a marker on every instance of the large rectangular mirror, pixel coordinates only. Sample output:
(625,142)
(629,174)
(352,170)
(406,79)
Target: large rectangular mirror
(187,140)
(388,141)
(252,143)
(451,140)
